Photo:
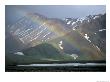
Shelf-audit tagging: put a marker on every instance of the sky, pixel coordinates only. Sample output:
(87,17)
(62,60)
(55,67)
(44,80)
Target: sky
(14,12)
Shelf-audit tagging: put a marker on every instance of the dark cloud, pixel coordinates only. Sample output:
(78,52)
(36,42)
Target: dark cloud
(13,13)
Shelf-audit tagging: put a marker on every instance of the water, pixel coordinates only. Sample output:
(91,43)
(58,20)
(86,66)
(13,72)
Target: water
(67,64)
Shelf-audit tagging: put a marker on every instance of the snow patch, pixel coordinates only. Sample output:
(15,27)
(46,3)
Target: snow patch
(42,25)
(21,39)
(88,20)
(81,19)
(87,37)
(97,47)
(74,29)
(89,40)
(101,30)
(96,17)
(46,34)
(75,56)
(60,44)
(73,23)
(19,53)
(68,22)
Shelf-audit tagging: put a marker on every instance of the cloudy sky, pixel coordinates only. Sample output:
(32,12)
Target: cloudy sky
(13,13)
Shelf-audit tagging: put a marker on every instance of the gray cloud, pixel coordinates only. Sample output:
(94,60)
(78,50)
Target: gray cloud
(14,12)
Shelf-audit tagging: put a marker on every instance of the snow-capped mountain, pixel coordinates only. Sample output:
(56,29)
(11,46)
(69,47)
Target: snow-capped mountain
(75,22)
(74,37)
(92,27)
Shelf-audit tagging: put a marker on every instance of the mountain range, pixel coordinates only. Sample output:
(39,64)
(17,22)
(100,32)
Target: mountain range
(36,38)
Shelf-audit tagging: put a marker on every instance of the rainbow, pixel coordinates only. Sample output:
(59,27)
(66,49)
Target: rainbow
(73,37)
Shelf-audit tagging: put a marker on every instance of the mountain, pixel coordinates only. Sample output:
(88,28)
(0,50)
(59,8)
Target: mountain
(36,36)
(92,27)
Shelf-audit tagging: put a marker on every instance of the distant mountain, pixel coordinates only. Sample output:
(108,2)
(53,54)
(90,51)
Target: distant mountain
(93,27)
(55,39)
